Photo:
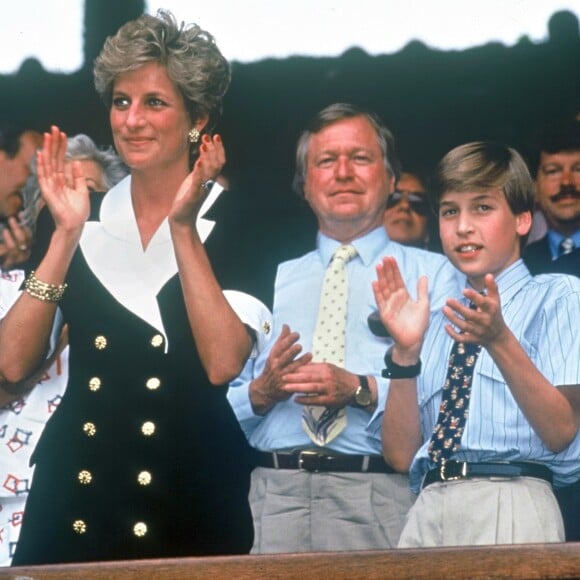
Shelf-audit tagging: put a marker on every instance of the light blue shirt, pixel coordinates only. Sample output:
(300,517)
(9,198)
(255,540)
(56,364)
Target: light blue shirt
(296,297)
(543,313)
(555,239)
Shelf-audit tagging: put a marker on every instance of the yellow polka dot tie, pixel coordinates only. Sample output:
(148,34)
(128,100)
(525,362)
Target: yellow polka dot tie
(323,424)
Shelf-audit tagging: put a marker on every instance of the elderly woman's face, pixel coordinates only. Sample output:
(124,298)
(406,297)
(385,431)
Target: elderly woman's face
(93,175)
(149,120)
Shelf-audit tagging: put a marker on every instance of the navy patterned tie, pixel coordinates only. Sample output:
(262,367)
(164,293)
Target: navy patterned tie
(454,408)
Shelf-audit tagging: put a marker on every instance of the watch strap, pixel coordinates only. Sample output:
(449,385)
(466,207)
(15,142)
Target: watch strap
(363,395)
(394,371)
(364,382)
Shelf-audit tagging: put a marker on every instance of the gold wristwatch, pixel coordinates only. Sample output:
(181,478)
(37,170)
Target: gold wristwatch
(363,396)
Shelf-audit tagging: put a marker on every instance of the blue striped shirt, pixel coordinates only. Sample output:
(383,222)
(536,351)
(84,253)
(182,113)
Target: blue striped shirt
(543,313)
(296,297)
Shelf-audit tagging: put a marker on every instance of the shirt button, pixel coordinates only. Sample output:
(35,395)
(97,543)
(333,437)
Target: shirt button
(100,342)
(144,478)
(94,384)
(156,341)
(140,529)
(89,429)
(148,428)
(153,383)
(79,526)
(85,477)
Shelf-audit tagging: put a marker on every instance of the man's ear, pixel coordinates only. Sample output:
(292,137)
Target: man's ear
(305,191)
(392,184)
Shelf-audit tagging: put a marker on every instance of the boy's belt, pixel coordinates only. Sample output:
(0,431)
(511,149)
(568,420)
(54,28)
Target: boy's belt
(454,470)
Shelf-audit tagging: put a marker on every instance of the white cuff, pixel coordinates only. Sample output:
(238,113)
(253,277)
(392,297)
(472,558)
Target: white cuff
(253,313)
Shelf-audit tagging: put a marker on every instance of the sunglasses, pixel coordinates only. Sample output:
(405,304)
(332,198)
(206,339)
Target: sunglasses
(416,200)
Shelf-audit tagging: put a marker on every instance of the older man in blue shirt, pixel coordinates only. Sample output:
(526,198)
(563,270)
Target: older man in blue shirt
(312,493)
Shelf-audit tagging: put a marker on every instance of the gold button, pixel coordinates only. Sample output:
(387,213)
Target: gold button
(100,342)
(153,383)
(266,327)
(89,429)
(148,428)
(140,529)
(85,477)
(94,384)
(144,478)
(156,341)
(79,526)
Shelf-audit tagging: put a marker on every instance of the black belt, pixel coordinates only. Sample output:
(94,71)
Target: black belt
(452,470)
(315,461)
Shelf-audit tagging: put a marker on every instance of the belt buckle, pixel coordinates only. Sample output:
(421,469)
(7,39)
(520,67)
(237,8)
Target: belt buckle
(309,460)
(462,473)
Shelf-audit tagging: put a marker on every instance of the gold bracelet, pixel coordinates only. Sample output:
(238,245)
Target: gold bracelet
(42,290)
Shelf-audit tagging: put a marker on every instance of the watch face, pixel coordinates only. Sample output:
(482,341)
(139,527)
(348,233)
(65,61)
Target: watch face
(363,397)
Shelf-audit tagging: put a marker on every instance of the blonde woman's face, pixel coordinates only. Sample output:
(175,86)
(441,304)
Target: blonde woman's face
(149,121)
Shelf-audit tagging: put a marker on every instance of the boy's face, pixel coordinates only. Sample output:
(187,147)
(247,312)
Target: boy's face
(480,234)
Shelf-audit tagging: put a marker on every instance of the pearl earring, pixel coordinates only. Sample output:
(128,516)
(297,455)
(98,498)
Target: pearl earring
(193,135)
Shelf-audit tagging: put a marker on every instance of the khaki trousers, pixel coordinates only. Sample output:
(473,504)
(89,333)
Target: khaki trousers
(482,511)
(298,511)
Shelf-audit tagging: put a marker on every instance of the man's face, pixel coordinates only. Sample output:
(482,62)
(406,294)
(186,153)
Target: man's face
(347,183)
(13,175)
(558,190)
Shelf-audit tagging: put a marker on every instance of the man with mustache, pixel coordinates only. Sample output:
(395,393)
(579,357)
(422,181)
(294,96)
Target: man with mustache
(558,195)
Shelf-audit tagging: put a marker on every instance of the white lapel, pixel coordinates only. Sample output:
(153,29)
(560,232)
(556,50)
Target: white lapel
(113,251)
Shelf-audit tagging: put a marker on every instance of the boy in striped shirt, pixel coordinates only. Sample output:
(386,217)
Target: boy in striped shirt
(485,434)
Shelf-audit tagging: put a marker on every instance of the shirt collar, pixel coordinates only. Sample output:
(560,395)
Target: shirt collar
(368,246)
(556,238)
(511,280)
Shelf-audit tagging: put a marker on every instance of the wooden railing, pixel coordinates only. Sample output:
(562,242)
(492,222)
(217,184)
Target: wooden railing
(525,561)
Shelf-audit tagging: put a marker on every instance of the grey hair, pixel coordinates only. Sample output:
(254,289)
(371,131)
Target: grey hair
(81,147)
(330,115)
(192,60)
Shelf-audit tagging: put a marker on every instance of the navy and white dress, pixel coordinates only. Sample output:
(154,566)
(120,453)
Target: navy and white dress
(144,458)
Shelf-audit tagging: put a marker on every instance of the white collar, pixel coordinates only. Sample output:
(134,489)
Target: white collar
(112,248)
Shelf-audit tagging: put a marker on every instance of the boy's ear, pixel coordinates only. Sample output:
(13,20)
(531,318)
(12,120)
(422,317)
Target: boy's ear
(524,223)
